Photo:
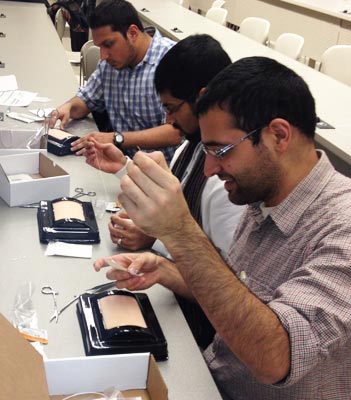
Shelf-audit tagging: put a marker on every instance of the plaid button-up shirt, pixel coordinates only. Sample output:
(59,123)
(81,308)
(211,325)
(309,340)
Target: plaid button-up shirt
(129,95)
(298,262)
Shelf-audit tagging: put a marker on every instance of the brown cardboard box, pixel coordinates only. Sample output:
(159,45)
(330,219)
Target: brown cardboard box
(24,374)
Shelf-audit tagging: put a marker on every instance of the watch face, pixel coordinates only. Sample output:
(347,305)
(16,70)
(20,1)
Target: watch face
(119,139)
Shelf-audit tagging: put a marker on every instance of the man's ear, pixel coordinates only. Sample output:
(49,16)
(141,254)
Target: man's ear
(201,92)
(132,33)
(280,134)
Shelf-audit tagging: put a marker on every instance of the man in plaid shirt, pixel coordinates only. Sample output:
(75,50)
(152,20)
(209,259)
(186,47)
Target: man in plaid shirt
(123,83)
(281,302)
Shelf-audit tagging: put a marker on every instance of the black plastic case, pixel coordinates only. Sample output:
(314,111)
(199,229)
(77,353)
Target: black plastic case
(125,339)
(69,230)
(60,147)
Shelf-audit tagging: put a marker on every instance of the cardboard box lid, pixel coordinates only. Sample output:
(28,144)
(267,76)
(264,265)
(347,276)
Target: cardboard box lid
(21,367)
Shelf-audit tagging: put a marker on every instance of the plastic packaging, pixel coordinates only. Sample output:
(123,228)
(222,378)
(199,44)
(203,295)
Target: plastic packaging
(25,317)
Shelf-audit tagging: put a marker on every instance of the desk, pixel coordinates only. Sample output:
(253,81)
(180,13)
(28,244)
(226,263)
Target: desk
(44,68)
(320,22)
(332,97)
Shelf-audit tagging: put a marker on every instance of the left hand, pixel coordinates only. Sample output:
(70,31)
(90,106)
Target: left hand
(153,196)
(146,263)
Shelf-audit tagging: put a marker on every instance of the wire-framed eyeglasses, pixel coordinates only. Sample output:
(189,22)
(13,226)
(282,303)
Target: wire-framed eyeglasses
(171,110)
(220,153)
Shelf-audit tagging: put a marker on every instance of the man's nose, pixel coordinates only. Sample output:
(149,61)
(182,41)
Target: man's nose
(212,166)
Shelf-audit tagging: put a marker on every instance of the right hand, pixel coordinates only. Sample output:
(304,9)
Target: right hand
(63,114)
(122,227)
(104,156)
(146,263)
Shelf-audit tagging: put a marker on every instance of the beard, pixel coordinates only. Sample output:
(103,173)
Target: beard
(259,182)
(194,137)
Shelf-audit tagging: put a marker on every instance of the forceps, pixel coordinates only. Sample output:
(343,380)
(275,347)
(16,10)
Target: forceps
(47,118)
(80,192)
(50,290)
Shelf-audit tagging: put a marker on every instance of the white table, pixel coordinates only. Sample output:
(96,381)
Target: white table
(43,67)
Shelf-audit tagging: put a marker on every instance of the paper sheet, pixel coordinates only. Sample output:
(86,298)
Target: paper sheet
(17,98)
(69,250)
(8,82)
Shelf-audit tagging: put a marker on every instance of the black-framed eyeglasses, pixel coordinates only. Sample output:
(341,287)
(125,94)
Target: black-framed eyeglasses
(220,153)
(172,109)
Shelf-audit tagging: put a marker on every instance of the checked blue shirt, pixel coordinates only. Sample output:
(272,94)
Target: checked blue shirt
(129,95)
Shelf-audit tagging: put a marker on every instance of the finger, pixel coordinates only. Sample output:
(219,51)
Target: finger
(159,158)
(147,172)
(122,223)
(100,263)
(132,199)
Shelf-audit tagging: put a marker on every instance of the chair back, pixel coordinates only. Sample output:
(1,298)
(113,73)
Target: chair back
(218,15)
(336,62)
(60,23)
(218,3)
(255,28)
(290,44)
(89,56)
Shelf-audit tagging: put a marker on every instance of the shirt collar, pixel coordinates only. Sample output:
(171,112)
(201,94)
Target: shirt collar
(287,214)
(151,57)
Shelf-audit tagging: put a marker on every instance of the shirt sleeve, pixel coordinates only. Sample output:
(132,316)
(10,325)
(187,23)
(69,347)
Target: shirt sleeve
(314,305)
(92,92)
(220,217)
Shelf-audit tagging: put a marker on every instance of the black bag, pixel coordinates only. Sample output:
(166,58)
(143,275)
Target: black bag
(76,13)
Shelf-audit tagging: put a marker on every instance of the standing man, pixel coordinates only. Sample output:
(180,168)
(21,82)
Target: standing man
(281,303)
(123,83)
(180,76)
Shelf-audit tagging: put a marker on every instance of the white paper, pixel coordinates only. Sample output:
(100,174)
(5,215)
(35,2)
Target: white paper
(41,99)
(8,82)
(24,117)
(18,98)
(69,250)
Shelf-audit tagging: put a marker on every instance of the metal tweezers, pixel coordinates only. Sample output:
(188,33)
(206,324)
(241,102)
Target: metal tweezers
(93,290)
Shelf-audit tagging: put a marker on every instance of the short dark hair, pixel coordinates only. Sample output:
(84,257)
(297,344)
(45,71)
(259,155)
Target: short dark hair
(255,90)
(189,65)
(119,14)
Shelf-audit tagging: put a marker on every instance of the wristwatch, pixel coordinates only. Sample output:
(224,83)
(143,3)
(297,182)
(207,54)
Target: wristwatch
(118,139)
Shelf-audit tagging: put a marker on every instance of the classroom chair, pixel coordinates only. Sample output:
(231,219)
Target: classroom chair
(336,62)
(290,44)
(218,15)
(255,28)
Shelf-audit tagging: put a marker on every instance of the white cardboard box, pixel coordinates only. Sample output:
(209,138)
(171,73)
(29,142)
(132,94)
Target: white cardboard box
(13,141)
(24,375)
(46,180)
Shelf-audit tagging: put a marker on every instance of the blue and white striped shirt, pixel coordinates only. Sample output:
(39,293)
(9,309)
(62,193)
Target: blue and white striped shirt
(129,95)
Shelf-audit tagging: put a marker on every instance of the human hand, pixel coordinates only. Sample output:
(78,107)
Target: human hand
(124,232)
(79,146)
(153,198)
(147,264)
(104,156)
(61,113)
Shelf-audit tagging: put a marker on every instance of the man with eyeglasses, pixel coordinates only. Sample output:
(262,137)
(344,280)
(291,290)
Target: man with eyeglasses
(179,78)
(281,303)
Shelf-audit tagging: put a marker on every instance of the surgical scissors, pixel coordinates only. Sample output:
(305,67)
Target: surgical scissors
(49,290)
(80,192)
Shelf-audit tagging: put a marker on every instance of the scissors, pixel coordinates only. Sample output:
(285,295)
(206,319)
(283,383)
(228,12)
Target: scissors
(80,192)
(50,290)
